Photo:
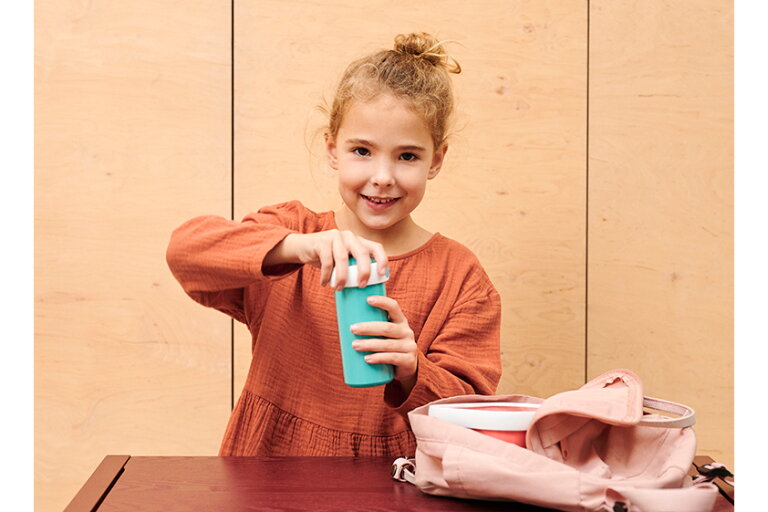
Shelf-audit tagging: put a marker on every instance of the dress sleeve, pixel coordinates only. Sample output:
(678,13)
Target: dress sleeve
(464,358)
(215,259)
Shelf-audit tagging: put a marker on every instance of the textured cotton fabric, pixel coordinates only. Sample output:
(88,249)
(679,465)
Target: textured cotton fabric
(294,401)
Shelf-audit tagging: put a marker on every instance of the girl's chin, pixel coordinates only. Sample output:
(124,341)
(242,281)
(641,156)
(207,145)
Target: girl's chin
(378,222)
(374,220)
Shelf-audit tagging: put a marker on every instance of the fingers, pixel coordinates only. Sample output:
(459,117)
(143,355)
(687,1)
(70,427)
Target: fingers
(381,345)
(390,342)
(398,359)
(331,249)
(377,250)
(402,354)
(334,249)
(340,258)
(325,255)
(383,329)
(354,246)
(389,305)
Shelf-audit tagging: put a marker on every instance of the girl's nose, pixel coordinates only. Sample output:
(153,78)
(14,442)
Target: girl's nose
(384,175)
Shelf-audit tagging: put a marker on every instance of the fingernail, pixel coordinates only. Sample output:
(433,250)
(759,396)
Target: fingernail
(355,344)
(371,300)
(367,359)
(353,328)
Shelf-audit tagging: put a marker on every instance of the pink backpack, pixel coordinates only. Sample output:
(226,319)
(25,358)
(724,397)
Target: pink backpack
(592,449)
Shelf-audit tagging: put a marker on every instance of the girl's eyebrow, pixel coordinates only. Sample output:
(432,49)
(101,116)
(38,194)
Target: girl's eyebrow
(363,142)
(411,148)
(360,142)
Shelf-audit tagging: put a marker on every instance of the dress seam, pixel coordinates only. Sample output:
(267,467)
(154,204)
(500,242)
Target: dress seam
(476,298)
(262,399)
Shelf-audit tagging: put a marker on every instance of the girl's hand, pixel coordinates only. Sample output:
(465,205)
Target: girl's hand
(393,342)
(332,248)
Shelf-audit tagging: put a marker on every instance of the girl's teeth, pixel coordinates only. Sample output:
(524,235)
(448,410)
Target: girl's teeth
(379,201)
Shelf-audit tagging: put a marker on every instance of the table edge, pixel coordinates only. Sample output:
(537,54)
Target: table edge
(96,488)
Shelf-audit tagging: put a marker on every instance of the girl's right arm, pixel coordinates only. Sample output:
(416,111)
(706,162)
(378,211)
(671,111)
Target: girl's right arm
(329,249)
(214,258)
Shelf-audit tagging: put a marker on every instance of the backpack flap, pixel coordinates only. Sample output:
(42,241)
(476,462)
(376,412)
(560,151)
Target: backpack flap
(601,430)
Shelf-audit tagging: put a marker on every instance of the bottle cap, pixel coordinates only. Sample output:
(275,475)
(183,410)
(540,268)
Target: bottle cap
(374,278)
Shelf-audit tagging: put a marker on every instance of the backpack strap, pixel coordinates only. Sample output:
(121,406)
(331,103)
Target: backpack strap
(686,416)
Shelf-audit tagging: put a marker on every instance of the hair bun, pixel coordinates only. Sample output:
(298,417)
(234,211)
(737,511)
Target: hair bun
(425,46)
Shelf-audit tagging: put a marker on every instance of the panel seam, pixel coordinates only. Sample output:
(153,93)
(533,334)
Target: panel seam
(586,210)
(232,189)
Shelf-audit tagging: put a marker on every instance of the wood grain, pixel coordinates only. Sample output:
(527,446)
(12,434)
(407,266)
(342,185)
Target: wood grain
(276,483)
(132,137)
(513,186)
(661,204)
(283,483)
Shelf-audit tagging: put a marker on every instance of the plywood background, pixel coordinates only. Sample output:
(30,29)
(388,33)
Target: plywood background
(661,204)
(513,185)
(590,170)
(132,137)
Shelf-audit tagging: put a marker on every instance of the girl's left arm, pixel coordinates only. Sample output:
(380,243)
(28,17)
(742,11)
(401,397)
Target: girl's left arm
(464,358)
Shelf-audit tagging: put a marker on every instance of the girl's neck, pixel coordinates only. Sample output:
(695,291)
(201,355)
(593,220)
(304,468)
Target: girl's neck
(397,239)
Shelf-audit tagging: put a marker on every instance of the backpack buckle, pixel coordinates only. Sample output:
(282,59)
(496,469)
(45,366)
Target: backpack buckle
(402,469)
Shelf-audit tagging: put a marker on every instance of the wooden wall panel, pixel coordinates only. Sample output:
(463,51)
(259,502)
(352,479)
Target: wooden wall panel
(132,137)
(513,186)
(661,204)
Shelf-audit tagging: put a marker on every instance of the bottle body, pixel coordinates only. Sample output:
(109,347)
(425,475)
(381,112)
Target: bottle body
(352,308)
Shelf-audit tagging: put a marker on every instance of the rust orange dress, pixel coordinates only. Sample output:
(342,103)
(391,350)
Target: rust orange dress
(294,401)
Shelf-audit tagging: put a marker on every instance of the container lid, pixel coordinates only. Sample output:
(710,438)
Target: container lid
(486,415)
(374,278)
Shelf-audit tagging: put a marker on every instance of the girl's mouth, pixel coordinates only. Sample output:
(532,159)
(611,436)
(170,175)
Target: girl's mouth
(379,203)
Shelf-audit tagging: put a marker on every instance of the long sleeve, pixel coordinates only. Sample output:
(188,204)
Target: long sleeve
(463,359)
(294,400)
(214,258)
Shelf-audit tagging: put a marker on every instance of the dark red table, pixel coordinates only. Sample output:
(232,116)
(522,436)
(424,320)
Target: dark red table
(123,483)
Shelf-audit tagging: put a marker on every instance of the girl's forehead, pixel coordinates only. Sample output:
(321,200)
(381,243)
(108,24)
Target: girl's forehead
(381,112)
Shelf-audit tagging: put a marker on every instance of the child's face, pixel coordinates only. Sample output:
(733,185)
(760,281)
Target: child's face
(384,155)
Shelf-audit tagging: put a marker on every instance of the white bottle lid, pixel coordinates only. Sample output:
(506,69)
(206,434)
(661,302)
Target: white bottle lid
(486,415)
(374,278)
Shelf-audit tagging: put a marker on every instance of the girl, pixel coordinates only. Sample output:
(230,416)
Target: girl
(386,137)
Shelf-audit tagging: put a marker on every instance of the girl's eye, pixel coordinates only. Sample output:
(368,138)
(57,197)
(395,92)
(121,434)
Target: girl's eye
(361,152)
(409,157)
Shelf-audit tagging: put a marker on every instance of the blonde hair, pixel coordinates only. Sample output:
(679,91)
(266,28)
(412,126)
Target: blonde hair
(415,70)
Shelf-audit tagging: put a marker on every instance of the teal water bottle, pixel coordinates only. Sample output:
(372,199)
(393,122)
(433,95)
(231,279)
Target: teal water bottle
(352,308)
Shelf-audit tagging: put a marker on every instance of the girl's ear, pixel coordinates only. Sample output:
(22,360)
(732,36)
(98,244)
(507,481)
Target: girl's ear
(437,161)
(330,150)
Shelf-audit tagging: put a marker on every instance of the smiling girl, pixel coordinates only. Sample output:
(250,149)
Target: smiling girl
(385,139)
